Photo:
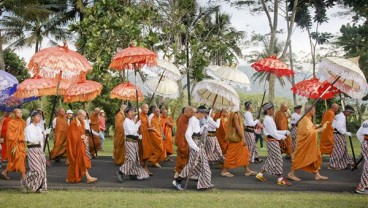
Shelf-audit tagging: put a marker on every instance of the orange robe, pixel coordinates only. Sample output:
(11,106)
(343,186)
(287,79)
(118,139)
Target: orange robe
(15,138)
(76,152)
(61,128)
(95,126)
(307,155)
(119,139)
(145,145)
(158,153)
(182,151)
(4,152)
(220,133)
(282,123)
(167,131)
(327,140)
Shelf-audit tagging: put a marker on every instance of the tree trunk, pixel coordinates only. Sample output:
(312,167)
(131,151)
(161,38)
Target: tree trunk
(292,68)
(2,63)
(272,80)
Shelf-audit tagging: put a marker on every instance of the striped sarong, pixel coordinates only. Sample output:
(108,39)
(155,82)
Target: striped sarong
(132,164)
(198,166)
(36,178)
(273,163)
(213,150)
(250,140)
(88,153)
(293,138)
(364,179)
(340,158)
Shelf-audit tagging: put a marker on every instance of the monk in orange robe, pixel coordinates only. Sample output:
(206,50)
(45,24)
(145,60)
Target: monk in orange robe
(16,146)
(119,137)
(237,154)
(146,148)
(182,150)
(3,124)
(327,140)
(76,151)
(167,125)
(61,128)
(307,155)
(220,132)
(155,132)
(282,123)
(95,126)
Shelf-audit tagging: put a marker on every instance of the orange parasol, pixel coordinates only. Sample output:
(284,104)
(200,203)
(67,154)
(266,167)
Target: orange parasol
(49,62)
(272,65)
(83,90)
(36,87)
(126,91)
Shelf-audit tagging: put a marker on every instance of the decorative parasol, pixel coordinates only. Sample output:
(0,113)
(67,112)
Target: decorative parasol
(216,93)
(10,103)
(163,87)
(126,91)
(352,80)
(36,87)
(83,90)
(274,66)
(313,88)
(8,83)
(49,62)
(163,68)
(229,75)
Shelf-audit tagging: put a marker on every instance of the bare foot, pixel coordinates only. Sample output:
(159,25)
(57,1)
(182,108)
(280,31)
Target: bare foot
(293,177)
(91,180)
(48,163)
(320,178)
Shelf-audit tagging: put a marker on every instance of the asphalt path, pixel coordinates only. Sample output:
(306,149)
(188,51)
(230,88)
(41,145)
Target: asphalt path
(105,170)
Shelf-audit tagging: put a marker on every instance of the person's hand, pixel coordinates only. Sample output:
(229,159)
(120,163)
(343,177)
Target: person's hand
(218,120)
(140,137)
(348,134)
(83,137)
(325,125)
(47,131)
(287,133)
(14,150)
(139,123)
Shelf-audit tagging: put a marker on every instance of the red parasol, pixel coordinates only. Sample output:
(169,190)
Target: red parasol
(49,62)
(126,91)
(133,58)
(274,66)
(313,88)
(36,87)
(83,90)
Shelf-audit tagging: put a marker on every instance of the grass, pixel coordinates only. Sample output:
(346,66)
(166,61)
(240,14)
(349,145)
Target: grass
(159,198)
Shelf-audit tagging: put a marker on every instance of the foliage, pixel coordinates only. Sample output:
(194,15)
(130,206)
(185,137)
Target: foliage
(15,65)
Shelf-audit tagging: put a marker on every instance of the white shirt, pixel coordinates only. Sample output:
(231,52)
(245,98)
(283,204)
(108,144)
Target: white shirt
(212,125)
(150,118)
(248,119)
(295,118)
(88,127)
(362,130)
(33,134)
(54,123)
(193,127)
(131,128)
(269,128)
(339,123)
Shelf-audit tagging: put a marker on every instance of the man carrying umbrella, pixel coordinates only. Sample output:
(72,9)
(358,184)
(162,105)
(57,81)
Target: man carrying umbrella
(340,158)
(250,139)
(327,138)
(295,117)
(362,135)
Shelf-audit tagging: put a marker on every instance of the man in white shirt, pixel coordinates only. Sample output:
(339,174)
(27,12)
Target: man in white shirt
(36,179)
(250,138)
(340,158)
(295,117)
(274,162)
(131,166)
(198,163)
(362,135)
(212,146)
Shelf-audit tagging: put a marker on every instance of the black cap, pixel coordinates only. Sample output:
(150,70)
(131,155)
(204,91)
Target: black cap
(35,112)
(247,104)
(297,107)
(129,108)
(349,108)
(267,106)
(202,109)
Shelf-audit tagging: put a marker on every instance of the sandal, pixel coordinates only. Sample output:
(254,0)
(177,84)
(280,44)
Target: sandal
(227,174)
(251,173)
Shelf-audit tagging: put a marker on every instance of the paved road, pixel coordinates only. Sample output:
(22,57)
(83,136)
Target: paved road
(104,169)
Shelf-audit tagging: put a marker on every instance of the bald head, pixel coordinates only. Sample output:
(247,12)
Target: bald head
(283,107)
(189,111)
(17,113)
(334,107)
(144,108)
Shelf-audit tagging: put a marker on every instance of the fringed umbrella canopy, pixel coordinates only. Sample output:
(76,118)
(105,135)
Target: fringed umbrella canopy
(274,66)
(36,87)
(8,83)
(229,75)
(126,91)
(165,88)
(313,88)
(165,68)
(82,91)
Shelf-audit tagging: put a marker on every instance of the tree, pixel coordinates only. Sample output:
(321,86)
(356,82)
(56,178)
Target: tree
(15,65)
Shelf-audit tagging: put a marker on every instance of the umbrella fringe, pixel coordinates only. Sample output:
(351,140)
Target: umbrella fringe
(139,61)
(82,98)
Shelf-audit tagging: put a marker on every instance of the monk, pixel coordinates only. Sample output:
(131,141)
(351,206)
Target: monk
(327,141)
(167,125)
(282,124)
(95,126)
(119,137)
(76,151)
(307,155)
(155,132)
(5,121)
(220,133)
(146,148)
(16,146)
(61,126)
(182,151)
(237,154)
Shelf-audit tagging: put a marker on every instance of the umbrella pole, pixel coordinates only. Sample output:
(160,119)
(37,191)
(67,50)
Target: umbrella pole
(136,92)
(162,75)
(91,132)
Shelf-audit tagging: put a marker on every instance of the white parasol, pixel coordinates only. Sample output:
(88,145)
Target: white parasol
(352,80)
(217,94)
(163,87)
(229,75)
(163,68)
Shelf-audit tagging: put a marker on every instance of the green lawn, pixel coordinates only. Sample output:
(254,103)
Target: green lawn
(159,198)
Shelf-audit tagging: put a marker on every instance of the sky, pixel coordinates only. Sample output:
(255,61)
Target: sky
(242,20)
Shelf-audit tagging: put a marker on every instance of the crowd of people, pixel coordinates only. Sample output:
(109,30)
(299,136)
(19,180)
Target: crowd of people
(203,138)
